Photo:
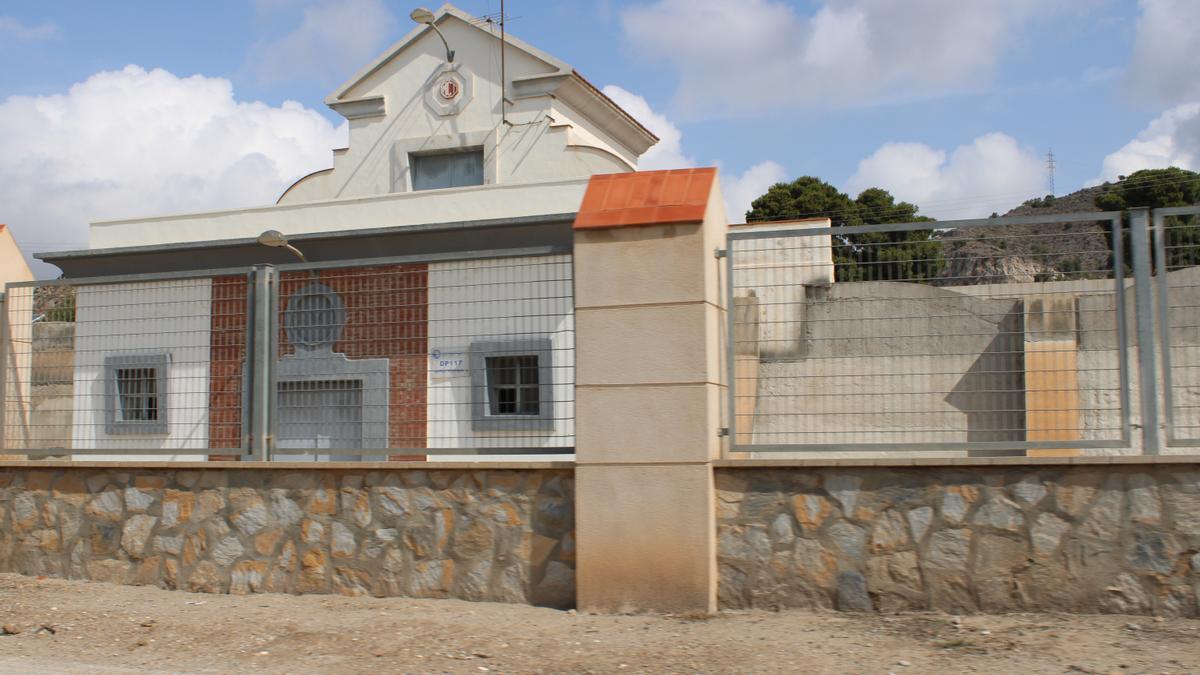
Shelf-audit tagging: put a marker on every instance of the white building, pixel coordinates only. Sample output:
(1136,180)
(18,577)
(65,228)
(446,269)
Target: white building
(438,312)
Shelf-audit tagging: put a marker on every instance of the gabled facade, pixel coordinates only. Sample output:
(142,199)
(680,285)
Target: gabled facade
(538,121)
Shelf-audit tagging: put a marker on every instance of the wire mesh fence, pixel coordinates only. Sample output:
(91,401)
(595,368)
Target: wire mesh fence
(141,367)
(426,358)
(367,360)
(1177,267)
(996,334)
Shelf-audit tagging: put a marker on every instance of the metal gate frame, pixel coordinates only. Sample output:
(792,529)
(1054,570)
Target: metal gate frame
(1164,322)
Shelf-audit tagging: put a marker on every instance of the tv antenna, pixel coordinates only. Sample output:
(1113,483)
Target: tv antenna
(499,19)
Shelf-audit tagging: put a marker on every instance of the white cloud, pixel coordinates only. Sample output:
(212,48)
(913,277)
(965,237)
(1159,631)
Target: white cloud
(739,191)
(756,54)
(668,152)
(992,173)
(16,30)
(1166,51)
(334,39)
(130,142)
(1171,139)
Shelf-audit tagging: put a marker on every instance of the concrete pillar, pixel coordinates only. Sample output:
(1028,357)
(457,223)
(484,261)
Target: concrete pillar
(649,311)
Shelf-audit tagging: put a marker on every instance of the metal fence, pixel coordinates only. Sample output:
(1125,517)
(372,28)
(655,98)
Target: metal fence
(1177,263)
(392,358)
(996,335)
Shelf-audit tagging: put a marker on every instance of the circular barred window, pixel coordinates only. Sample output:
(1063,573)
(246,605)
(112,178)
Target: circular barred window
(314,317)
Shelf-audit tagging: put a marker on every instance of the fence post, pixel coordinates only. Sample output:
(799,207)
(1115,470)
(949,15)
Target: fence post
(261,362)
(1139,237)
(648,390)
(5,354)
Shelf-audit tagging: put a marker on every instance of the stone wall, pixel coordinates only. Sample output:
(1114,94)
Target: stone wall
(1088,538)
(475,534)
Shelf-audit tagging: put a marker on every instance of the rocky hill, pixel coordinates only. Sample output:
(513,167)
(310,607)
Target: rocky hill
(1024,253)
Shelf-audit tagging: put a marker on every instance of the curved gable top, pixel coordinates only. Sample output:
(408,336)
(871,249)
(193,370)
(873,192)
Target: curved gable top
(440,15)
(558,74)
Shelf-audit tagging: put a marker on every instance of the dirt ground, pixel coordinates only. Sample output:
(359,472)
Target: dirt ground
(88,627)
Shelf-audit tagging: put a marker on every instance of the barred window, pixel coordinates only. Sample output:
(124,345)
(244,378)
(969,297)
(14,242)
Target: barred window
(512,385)
(137,394)
(135,389)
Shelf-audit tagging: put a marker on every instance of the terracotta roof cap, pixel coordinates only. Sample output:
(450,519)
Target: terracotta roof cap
(646,198)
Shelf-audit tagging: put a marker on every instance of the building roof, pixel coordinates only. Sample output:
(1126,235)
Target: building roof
(646,198)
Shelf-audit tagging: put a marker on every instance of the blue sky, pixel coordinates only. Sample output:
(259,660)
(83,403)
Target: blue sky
(949,104)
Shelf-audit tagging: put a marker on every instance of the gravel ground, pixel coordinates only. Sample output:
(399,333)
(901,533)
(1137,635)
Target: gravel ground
(88,627)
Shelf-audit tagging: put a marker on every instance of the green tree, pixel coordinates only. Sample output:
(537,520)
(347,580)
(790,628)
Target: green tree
(1158,188)
(913,255)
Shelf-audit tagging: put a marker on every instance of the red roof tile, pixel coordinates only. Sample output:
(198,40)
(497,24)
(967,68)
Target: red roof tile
(645,198)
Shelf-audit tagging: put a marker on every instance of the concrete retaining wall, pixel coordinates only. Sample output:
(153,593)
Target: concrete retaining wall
(1086,538)
(494,534)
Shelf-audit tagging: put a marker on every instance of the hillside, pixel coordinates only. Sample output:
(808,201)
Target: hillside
(1040,252)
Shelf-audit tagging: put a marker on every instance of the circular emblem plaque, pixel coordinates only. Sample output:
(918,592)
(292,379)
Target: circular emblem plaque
(449,89)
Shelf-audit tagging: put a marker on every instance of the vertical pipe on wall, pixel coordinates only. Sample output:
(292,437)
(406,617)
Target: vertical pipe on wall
(259,357)
(1139,236)
(731,374)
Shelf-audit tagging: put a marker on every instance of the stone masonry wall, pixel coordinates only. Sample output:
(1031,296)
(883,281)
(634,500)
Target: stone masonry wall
(1087,538)
(475,534)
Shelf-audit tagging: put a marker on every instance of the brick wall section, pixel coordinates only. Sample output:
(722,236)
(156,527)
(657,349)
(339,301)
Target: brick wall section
(1116,538)
(504,535)
(230,310)
(387,314)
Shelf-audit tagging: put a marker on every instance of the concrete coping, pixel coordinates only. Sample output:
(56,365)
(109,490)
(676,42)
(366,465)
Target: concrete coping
(288,466)
(718,463)
(954,461)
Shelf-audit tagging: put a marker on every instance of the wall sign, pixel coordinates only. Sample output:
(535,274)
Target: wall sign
(444,363)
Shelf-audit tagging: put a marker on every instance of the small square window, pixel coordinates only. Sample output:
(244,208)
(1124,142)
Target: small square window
(137,394)
(512,385)
(446,169)
(135,390)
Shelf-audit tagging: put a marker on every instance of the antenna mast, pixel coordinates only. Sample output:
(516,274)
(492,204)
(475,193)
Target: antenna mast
(1050,169)
(503,79)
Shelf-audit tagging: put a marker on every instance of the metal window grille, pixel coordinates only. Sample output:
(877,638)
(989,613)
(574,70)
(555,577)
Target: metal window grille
(513,385)
(993,335)
(138,394)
